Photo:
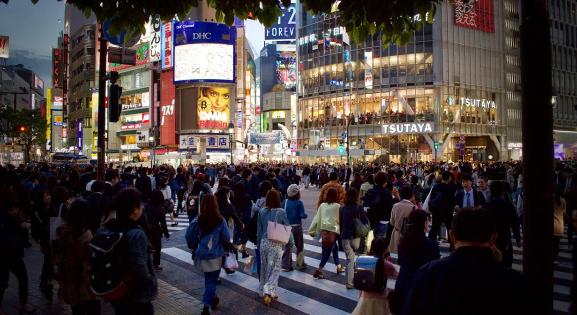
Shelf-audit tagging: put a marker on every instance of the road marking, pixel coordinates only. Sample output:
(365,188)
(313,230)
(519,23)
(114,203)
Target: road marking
(286,297)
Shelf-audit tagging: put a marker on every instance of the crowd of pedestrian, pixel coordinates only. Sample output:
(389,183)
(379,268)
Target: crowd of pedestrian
(102,240)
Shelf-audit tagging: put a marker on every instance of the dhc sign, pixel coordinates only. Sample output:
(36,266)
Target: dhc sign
(408,128)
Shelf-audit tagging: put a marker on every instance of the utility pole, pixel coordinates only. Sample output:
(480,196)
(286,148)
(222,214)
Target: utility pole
(101,108)
(537,154)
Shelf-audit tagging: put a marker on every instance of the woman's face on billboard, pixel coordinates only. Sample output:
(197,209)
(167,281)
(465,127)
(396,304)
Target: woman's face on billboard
(219,98)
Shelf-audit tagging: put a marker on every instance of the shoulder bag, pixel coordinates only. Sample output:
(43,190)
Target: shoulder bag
(277,232)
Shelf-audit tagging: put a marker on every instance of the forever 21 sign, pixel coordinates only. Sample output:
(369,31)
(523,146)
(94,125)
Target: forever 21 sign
(285,28)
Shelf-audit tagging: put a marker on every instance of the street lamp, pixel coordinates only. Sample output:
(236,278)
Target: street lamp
(151,144)
(230,133)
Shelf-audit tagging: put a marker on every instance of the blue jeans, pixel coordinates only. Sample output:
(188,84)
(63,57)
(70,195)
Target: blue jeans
(210,286)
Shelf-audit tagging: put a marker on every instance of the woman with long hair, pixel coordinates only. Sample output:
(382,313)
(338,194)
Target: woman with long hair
(415,250)
(155,216)
(243,207)
(211,235)
(558,222)
(325,225)
(351,243)
(270,251)
(71,256)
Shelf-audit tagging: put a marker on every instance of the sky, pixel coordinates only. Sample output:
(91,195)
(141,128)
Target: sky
(33,31)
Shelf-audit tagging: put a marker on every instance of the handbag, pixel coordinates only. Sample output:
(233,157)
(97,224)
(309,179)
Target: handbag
(328,238)
(248,265)
(361,229)
(277,232)
(230,261)
(56,222)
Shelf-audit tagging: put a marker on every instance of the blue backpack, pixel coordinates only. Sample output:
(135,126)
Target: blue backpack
(211,245)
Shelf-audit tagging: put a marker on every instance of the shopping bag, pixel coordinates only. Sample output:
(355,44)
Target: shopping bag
(248,265)
(230,261)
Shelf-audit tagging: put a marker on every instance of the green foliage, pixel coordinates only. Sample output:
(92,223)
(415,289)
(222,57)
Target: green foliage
(35,131)
(393,20)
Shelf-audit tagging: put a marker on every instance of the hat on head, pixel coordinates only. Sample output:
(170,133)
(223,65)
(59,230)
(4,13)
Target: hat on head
(292,190)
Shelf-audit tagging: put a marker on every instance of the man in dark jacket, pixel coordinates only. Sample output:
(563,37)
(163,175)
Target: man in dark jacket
(470,281)
(143,184)
(469,197)
(505,220)
(379,200)
(441,205)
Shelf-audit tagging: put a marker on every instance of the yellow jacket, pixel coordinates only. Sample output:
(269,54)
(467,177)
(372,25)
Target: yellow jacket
(326,218)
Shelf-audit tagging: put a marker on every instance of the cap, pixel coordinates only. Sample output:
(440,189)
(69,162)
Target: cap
(293,190)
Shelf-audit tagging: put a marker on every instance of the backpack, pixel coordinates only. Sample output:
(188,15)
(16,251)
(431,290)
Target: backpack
(406,224)
(108,278)
(369,274)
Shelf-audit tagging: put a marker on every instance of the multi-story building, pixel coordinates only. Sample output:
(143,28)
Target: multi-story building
(80,71)
(563,20)
(442,96)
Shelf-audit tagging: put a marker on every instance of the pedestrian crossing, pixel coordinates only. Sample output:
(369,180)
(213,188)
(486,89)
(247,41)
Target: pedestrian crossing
(182,220)
(300,291)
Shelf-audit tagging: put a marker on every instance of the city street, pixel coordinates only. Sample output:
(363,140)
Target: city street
(181,285)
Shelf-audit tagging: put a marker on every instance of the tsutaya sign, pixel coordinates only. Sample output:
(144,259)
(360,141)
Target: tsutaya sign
(408,128)
(471,102)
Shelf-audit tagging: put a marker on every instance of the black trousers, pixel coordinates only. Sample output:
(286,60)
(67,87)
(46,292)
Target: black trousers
(18,268)
(156,240)
(440,218)
(88,307)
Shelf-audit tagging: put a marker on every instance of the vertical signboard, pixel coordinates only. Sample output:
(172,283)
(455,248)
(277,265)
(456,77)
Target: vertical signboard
(57,68)
(285,26)
(368,70)
(478,15)
(167,112)
(155,39)
(166,55)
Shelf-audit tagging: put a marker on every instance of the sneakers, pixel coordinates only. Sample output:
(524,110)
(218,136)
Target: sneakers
(267,299)
(340,269)
(301,268)
(350,286)
(318,274)
(174,224)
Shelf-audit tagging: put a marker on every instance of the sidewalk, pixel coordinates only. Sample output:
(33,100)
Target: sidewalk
(170,300)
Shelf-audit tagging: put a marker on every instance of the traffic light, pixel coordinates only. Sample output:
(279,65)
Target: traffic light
(436,145)
(341,150)
(114,107)
(20,128)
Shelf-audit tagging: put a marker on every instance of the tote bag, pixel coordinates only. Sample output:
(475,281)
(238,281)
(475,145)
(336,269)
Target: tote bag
(277,232)
(56,222)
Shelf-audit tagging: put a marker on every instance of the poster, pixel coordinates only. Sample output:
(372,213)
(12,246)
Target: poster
(286,69)
(475,14)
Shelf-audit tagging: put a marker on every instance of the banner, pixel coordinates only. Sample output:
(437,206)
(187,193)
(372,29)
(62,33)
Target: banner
(155,41)
(213,107)
(478,15)
(166,55)
(264,138)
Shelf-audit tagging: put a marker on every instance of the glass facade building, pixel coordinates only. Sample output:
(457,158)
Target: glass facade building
(442,96)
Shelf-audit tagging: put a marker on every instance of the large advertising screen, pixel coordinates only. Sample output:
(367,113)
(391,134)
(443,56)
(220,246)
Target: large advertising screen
(204,52)
(286,69)
(212,107)
(475,14)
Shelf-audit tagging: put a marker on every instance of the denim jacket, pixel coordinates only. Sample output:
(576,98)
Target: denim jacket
(266,215)
(295,211)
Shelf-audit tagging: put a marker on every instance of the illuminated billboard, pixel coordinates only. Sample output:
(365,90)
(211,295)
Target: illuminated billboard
(285,26)
(212,107)
(475,14)
(204,52)
(286,69)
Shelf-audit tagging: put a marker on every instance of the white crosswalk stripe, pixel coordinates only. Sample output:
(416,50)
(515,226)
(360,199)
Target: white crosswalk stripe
(306,294)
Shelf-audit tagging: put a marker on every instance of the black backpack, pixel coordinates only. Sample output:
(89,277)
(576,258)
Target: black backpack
(108,259)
